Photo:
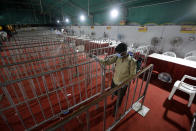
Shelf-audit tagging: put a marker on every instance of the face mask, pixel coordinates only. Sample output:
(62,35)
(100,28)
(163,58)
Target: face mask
(119,55)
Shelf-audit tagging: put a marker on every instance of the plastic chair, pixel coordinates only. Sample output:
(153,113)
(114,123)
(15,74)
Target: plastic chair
(172,54)
(187,88)
(80,48)
(193,127)
(191,53)
(143,49)
(192,58)
(165,77)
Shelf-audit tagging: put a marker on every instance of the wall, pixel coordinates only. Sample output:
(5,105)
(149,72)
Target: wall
(131,35)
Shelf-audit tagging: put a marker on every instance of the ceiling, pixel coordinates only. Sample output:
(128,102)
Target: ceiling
(72,8)
(164,10)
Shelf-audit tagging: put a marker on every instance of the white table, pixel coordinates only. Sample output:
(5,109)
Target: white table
(176,67)
(175,60)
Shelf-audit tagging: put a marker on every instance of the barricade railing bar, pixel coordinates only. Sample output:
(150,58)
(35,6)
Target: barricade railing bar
(35,34)
(35,50)
(32,67)
(68,64)
(27,43)
(43,58)
(33,39)
(29,35)
(32,53)
(17,40)
(23,38)
(20,57)
(29,46)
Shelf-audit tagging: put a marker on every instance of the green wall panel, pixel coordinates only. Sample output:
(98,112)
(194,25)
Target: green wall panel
(177,12)
(22,17)
(174,12)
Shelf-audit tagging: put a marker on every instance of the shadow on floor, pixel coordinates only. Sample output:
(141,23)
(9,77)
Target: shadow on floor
(179,108)
(168,87)
(126,119)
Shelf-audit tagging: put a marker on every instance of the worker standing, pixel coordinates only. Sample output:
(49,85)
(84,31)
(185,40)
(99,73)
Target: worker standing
(125,67)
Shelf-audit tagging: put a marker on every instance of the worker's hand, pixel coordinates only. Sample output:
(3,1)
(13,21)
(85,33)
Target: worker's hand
(130,53)
(97,59)
(90,55)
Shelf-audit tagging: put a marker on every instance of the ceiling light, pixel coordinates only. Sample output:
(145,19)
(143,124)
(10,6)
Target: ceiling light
(82,18)
(58,21)
(67,20)
(114,13)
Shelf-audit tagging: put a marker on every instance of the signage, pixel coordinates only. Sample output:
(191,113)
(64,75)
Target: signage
(142,29)
(108,27)
(188,29)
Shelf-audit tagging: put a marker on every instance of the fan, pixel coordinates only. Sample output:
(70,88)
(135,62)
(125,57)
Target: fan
(134,45)
(81,33)
(92,34)
(79,48)
(120,37)
(72,32)
(191,38)
(155,41)
(175,42)
(105,35)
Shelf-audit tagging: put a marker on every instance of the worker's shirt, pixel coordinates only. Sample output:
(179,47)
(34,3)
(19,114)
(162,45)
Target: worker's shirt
(125,68)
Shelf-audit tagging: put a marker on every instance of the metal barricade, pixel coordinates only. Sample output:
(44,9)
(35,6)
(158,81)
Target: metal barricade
(35,54)
(30,47)
(33,38)
(28,43)
(34,100)
(38,86)
(134,100)
(26,68)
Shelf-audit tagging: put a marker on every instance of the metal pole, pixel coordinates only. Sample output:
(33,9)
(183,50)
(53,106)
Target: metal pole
(134,92)
(148,80)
